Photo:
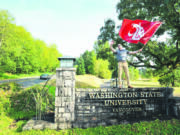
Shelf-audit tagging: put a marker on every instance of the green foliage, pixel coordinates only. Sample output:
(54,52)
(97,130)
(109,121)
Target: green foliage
(171,79)
(150,128)
(154,127)
(81,66)
(20,125)
(6,90)
(44,99)
(20,52)
(51,90)
(146,73)
(12,86)
(91,62)
(107,31)
(103,52)
(102,69)
(161,10)
(22,105)
(134,73)
(89,58)
(163,58)
(4,103)
(91,65)
(19,104)
(5,122)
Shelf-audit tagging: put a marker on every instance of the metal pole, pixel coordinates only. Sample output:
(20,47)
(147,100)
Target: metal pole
(116,75)
(166,102)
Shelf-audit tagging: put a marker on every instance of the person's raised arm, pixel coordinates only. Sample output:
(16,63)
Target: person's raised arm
(134,52)
(111,47)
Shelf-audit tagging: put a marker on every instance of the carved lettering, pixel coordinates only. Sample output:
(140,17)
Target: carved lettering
(130,94)
(102,95)
(133,109)
(97,95)
(111,102)
(159,94)
(123,95)
(135,94)
(106,102)
(124,102)
(92,95)
(115,95)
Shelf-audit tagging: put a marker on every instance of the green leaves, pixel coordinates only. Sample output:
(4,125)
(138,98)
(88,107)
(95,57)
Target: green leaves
(102,69)
(20,52)
(80,66)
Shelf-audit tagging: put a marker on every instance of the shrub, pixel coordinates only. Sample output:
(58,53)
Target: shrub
(22,103)
(81,66)
(101,69)
(12,86)
(133,73)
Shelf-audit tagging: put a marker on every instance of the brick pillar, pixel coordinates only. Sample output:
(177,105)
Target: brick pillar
(65,97)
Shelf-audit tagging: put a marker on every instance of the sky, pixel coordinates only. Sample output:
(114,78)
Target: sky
(73,25)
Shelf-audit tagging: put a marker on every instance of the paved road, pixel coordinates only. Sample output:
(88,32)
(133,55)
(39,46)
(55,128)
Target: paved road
(27,82)
(30,82)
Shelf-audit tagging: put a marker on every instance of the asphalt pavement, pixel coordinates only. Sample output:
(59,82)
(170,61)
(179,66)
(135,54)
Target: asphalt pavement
(30,82)
(27,82)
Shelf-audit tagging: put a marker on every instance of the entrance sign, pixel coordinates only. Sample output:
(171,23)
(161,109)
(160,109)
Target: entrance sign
(110,106)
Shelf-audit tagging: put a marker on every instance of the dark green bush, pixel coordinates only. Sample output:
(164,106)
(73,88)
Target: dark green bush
(20,103)
(12,86)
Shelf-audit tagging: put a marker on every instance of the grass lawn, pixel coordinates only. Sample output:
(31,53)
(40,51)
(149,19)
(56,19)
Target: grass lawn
(141,83)
(88,81)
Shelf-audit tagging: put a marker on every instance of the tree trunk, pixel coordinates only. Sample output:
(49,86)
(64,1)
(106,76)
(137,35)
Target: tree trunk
(177,45)
(173,80)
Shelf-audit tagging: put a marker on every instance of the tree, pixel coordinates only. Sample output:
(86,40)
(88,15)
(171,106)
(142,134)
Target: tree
(53,55)
(20,52)
(103,51)
(164,58)
(80,67)
(107,31)
(5,20)
(92,62)
(134,73)
(166,11)
(172,78)
(89,61)
(163,10)
(102,69)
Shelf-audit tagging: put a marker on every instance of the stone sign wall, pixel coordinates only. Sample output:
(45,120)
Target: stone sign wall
(85,108)
(95,107)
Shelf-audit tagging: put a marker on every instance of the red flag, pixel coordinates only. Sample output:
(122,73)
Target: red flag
(134,31)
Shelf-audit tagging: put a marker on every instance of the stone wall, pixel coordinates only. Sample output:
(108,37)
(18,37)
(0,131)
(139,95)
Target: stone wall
(83,108)
(65,97)
(95,107)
